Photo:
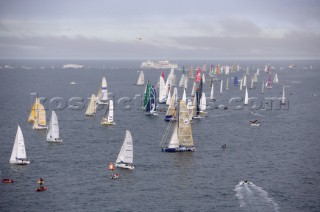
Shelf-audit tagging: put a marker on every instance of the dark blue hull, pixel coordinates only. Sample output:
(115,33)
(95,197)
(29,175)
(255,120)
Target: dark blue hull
(179,149)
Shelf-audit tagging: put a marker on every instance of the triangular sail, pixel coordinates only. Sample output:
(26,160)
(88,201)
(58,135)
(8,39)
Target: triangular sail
(184,127)
(34,110)
(174,141)
(19,149)
(53,131)
(203,102)
(146,95)
(212,91)
(141,78)
(162,90)
(40,121)
(126,152)
(283,99)
(91,108)
(246,98)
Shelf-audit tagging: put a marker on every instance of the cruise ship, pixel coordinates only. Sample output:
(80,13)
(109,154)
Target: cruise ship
(161,64)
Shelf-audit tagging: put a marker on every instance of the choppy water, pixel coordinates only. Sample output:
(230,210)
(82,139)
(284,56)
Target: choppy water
(280,158)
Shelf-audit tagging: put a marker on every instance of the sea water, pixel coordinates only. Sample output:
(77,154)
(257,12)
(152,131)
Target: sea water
(280,159)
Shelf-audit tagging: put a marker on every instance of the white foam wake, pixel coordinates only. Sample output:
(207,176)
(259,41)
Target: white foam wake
(253,196)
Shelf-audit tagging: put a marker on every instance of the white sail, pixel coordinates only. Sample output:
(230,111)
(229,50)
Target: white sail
(251,86)
(212,91)
(102,96)
(141,78)
(53,131)
(193,89)
(241,84)
(108,118)
(19,155)
(275,78)
(174,141)
(244,82)
(172,78)
(184,96)
(227,84)
(203,78)
(168,98)
(203,102)
(104,89)
(258,71)
(186,83)
(283,99)
(91,108)
(221,86)
(182,80)
(246,97)
(162,90)
(125,157)
(262,88)
(227,70)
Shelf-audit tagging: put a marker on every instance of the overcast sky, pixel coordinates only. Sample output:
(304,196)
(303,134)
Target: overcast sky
(170,29)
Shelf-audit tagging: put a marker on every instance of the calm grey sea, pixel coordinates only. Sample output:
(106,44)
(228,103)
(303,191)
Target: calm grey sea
(280,159)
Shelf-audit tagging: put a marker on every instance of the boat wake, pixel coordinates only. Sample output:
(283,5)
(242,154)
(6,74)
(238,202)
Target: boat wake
(254,197)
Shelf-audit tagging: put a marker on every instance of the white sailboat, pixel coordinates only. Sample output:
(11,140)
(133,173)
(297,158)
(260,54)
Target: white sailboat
(181,139)
(102,96)
(141,78)
(182,81)
(221,86)
(275,78)
(246,97)
(168,97)
(212,91)
(108,116)
(262,88)
(53,131)
(203,103)
(227,84)
(244,81)
(92,107)
(162,91)
(19,155)
(193,91)
(184,95)
(125,157)
(283,98)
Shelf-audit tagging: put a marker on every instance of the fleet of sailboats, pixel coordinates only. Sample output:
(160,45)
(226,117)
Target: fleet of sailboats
(181,139)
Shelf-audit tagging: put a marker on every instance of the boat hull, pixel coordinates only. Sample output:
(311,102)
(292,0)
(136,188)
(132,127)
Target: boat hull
(170,118)
(124,166)
(20,162)
(57,140)
(39,127)
(108,123)
(179,149)
(40,189)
